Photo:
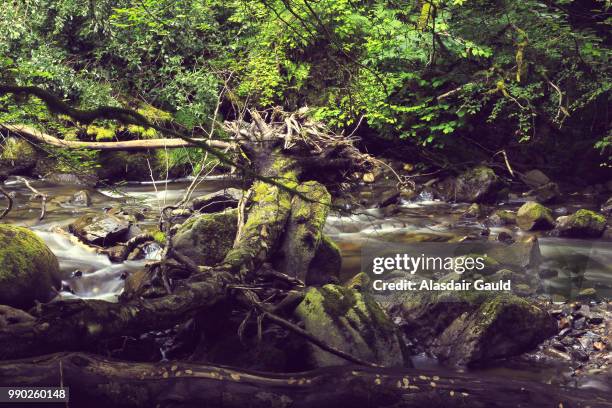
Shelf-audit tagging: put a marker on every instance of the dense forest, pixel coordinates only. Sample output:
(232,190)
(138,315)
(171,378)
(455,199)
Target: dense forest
(193,195)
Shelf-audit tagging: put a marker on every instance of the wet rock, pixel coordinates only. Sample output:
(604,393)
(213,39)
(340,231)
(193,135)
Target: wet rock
(473,327)
(71,179)
(533,216)
(81,199)
(518,255)
(579,355)
(101,230)
(546,193)
(479,184)
(390,197)
(587,294)
(535,178)
(582,224)
(352,322)
(606,207)
(505,237)
(207,238)
(10,316)
(473,211)
(217,201)
(502,217)
(369,178)
(29,271)
(547,273)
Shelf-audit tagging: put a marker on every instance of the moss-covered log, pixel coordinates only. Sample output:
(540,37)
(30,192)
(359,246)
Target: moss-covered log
(95,381)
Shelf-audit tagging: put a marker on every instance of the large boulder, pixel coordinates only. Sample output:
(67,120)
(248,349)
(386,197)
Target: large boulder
(207,238)
(475,327)
(522,254)
(535,178)
(102,230)
(582,224)
(533,216)
(352,322)
(28,269)
(217,201)
(479,184)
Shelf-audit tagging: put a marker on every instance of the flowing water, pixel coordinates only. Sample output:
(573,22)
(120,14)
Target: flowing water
(92,275)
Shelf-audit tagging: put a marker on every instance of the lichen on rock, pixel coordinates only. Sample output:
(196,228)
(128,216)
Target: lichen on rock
(582,224)
(533,216)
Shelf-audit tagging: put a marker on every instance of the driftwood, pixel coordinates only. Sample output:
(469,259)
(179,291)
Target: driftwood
(96,381)
(35,135)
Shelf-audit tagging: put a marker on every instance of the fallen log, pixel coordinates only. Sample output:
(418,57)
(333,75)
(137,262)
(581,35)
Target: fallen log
(36,135)
(95,381)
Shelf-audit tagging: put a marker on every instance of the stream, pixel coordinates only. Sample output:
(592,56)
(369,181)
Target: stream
(92,275)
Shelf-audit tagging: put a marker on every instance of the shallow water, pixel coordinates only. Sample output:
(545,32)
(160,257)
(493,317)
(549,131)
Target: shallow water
(92,275)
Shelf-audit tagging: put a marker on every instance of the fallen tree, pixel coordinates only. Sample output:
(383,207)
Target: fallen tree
(95,381)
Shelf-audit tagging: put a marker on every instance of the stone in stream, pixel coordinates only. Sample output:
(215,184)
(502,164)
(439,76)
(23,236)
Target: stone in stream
(102,230)
(502,217)
(351,322)
(71,179)
(606,208)
(533,216)
(582,224)
(217,201)
(546,193)
(29,271)
(475,327)
(535,178)
(81,199)
(479,184)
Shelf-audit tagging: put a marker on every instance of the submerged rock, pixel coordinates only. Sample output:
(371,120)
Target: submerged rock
(352,322)
(28,269)
(207,238)
(474,327)
(102,230)
(582,224)
(217,201)
(533,216)
(81,199)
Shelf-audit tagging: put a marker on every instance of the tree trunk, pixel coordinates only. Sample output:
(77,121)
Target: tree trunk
(95,381)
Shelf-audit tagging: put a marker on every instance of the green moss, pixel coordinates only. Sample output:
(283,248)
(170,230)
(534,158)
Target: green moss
(145,133)
(28,269)
(16,150)
(159,236)
(583,218)
(154,114)
(533,216)
(101,133)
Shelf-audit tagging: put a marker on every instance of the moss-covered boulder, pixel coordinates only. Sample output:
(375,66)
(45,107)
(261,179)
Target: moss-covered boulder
(352,322)
(606,208)
(475,327)
(582,224)
(207,238)
(28,269)
(533,216)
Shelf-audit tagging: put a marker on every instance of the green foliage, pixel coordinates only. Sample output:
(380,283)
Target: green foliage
(424,72)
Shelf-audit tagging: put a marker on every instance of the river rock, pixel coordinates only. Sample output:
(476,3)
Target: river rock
(81,199)
(217,201)
(475,327)
(502,217)
(352,322)
(533,216)
(29,271)
(207,238)
(546,193)
(479,184)
(535,178)
(71,179)
(582,224)
(101,230)
(519,255)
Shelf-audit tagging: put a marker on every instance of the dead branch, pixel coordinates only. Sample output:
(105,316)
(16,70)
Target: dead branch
(37,194)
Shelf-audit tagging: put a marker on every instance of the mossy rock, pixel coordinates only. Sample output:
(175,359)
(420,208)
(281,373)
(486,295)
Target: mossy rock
(533,216)
(207,238)
(502,217)
(582,224)
(475,327)
(352,322)
(28,269)
(519,255)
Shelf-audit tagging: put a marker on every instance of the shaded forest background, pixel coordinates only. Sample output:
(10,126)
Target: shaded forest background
(443,82)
